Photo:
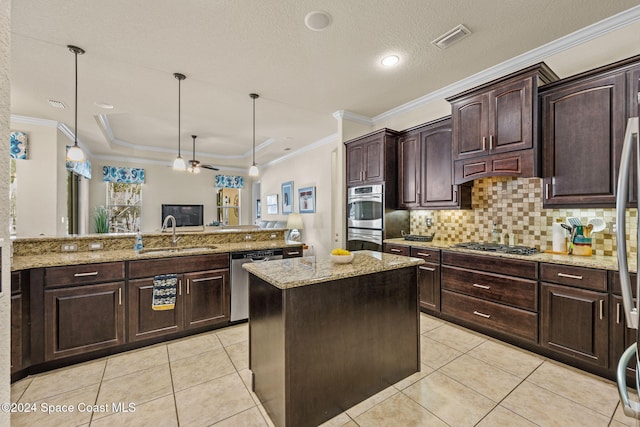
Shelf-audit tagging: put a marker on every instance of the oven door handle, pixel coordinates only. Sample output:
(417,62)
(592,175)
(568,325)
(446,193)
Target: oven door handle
(365,198)
(372,239)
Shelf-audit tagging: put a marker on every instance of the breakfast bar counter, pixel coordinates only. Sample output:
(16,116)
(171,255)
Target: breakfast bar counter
(324,336)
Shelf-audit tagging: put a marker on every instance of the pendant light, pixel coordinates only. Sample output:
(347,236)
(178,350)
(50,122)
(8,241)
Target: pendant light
(178,163)
(253,170)
(75,153)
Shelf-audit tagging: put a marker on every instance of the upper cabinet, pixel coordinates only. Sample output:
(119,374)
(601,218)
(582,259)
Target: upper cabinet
(425,169)
(495,126)
(583,121)
(372,159)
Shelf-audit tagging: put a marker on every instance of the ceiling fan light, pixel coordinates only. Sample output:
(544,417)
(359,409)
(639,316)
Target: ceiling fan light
(253,171)
(196,169)
(75,154)
(178,164)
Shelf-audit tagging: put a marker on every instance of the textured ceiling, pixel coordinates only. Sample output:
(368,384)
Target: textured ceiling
(229,49)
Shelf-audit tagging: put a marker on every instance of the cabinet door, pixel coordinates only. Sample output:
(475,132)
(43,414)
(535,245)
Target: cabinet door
(408,170)
(355,163)
(583,125)
(436,186)
(144,322)
(374,159)
(633,77)
(470,124)
(429,286)
(573,322)
(84,318)
(510,116)
(16,332)
(206,298)
(621,336)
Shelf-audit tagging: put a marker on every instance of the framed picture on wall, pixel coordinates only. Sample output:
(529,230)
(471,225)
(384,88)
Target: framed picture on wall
(287,197)
(307,200)
(272,204)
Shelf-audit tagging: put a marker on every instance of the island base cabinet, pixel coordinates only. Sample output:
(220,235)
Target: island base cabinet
(573,322)
(319,349)
(83,318)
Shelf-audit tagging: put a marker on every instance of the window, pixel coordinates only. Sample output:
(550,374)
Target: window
(123,203)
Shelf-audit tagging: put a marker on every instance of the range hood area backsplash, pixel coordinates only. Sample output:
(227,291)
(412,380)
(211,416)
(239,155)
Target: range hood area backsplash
(515,204)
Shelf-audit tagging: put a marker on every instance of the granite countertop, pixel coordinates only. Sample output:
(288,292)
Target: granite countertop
(92,257)
(595,261)
(294,272)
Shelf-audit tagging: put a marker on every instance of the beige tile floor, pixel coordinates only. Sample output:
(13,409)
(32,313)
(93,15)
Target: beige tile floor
(467,379)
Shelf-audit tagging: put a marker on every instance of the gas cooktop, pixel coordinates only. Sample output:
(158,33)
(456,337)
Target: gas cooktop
(496,247)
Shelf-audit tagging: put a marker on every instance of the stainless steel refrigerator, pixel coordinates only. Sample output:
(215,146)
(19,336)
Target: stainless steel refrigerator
(630,153)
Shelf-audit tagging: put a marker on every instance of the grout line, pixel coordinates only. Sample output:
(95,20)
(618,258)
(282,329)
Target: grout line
(173,388)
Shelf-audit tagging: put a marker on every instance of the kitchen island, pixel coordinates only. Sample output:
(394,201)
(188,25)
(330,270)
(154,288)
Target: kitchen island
(325,336)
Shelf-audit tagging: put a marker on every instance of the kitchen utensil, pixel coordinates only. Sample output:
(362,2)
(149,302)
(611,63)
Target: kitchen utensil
(598,224)
(587,230)
(574,221)
(566,227)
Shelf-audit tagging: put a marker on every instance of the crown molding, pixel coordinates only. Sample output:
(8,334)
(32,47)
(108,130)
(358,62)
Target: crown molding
(319,143)
(353,117)
(519,62)
(33,121)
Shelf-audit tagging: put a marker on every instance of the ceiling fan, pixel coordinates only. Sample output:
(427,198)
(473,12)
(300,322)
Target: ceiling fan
(194,165)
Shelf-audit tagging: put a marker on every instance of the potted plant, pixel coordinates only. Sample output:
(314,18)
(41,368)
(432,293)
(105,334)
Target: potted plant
(101,219)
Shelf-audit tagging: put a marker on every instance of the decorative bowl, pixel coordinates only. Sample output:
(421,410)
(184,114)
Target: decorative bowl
(341,259)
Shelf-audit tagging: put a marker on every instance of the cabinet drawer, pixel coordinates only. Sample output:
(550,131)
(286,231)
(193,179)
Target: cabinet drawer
(508,320)
(429,255)
(397,249)
(616,288)
(176,265)
(574,276)
(492,264)
(292,252)
(81,274)
(520,293)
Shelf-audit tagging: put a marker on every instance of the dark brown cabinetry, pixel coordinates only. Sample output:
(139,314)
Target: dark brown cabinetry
(583,121)
(574,320)
(372,159)
(428,278)
(18,327)
(490,292)
(495,126)
(397,249)
(202,299)
(620,336)
(425,169)
(292,252)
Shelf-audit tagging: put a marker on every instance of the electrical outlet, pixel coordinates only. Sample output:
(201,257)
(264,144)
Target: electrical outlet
(429,221)
(69,247)
(94,246)
(613,227)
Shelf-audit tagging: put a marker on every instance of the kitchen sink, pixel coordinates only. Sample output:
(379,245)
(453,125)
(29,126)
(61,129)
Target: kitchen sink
(170,249)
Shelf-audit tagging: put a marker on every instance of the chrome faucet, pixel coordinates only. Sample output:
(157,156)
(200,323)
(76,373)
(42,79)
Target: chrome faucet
(174,241)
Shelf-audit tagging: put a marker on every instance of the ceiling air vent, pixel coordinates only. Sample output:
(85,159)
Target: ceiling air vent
(57,104)
(451,36)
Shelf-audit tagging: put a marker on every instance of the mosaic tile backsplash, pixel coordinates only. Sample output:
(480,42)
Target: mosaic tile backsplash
(515,205)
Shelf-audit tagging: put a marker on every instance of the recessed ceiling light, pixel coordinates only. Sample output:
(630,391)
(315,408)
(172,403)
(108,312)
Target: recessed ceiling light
(390,61)
(287,149)
(104,105)
(57,104)
(317,20)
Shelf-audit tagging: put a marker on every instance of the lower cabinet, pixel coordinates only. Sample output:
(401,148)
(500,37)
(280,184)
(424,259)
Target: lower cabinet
(428,278)
(202,299)
(17,323)
(80,319)
(620,336)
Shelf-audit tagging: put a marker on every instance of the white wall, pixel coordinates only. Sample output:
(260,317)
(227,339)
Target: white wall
(310,168)
(37,202)
(164,185)
(5,298)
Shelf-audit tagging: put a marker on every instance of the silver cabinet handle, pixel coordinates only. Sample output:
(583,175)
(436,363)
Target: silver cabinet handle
(119,296)
(188,287)
(601,308)
(477,285)
(423,254)
(427,268)
(91,273)
(180,287)
(484,143)
(294,253)
(477,313)
(618,313)
(490,142)
(455,196)
(546,190)
(569,276)
(395,250)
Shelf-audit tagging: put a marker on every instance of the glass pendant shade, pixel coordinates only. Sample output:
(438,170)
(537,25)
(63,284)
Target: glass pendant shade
(253,171)
(178,164)
(75,154)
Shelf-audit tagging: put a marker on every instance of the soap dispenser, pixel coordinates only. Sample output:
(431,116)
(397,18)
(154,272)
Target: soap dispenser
(137,246)
(495,234)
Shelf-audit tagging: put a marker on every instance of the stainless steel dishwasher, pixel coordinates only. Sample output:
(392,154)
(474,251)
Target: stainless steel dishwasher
(240,279)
